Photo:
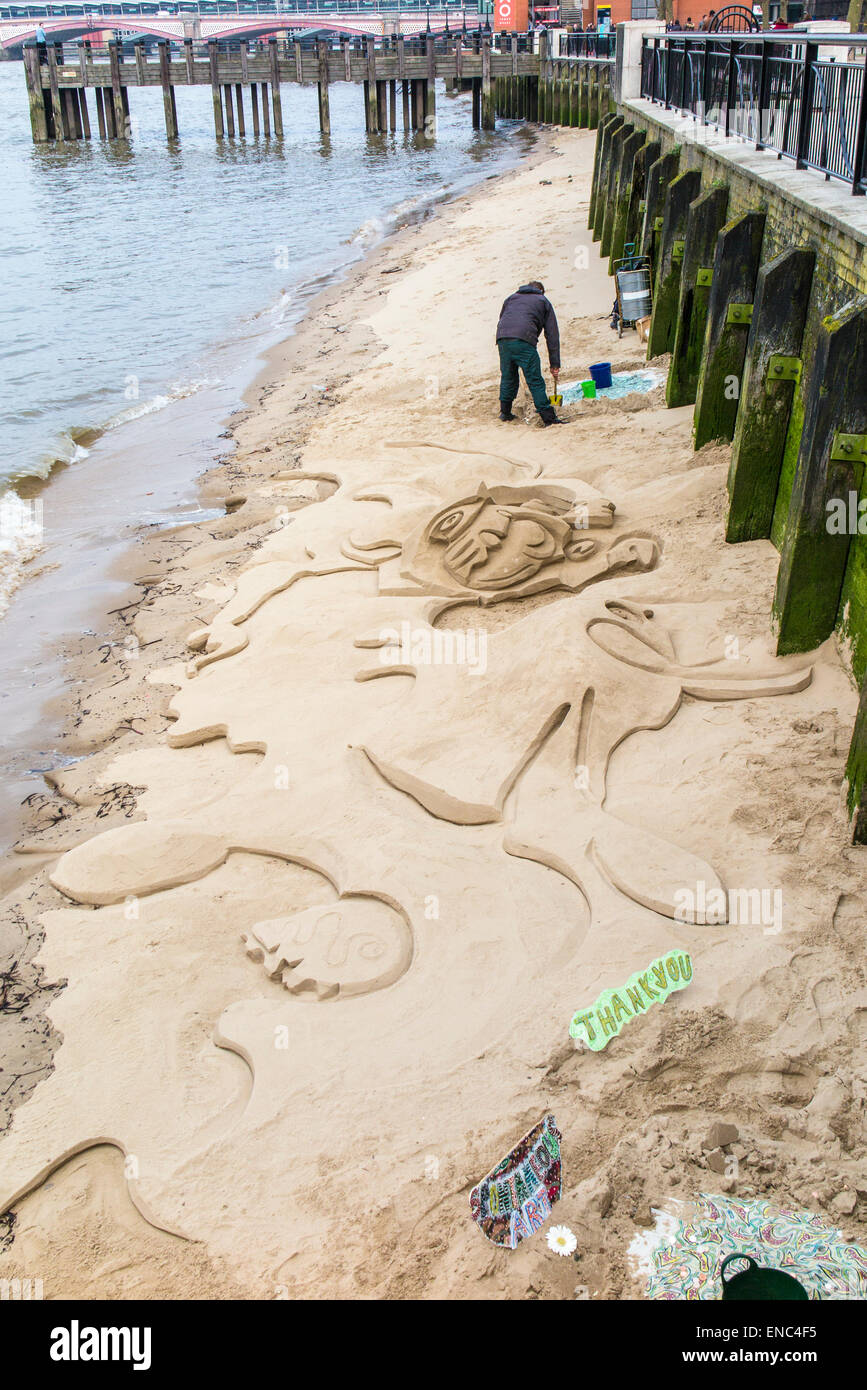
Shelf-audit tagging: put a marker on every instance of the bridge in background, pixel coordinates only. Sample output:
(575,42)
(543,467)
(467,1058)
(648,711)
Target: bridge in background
(238,18)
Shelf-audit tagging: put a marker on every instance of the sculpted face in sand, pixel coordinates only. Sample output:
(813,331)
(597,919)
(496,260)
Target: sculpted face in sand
(420,806)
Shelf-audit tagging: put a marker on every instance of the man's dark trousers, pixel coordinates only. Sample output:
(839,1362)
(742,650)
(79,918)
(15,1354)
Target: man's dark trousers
(515,353)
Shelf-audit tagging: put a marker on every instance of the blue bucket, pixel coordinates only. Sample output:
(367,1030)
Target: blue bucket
(601,374)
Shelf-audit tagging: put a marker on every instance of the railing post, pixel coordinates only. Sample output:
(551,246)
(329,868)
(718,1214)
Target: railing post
(859,158)
(668,74)
(730,84)
(811,51)
(705,79)
(764,95)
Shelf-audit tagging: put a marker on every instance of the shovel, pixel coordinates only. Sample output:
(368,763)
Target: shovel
(556,399)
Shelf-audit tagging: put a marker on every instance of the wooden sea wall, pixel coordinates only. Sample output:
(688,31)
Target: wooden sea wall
(759,274)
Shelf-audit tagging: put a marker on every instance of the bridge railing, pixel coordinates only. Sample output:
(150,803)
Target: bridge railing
(117,8)
(804,95)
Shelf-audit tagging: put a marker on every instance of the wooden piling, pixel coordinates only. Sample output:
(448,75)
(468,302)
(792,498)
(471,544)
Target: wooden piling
(230,114)
(169,108)
(392,106)
(276,103)
(188,60)
(118,93)
(430,90)
(703,224)
(60,132)
(488,120)
(35,98)
(324,105)
(856,774)
(254,106)
(213,61)
(600,175)
(615,164)
(382,104)
(735,268)
(404,88)
(666,286)
(646,156)
(138,50)
(266,111)
(100,113)
(770,383)
(812,596)
(623,181)
(659,175)
(371,105)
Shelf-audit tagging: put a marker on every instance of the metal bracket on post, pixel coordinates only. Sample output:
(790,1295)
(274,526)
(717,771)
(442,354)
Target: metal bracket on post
(782,368)
(642,206)
(657,224)
(677,250)
(740,314)
(849,448)
(704,275)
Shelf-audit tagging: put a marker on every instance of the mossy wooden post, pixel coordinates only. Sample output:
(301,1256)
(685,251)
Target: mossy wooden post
(430,105)
(606,139)
(581,86)
(230,111)
(118,92)
(254,106)
(620,200)
(83,58)
(729,314)
(169,108)
(646,156)
(216,95)
(856,773)
(618,140)
(488,120)
(57,119)
(322,88)
(830,467)
(38,112)
(659,176)
(704,221)
(597,160)
(239,103)
(276,103)
(666,286)
(266,111)
(371,109)
(767,390)
(595,110)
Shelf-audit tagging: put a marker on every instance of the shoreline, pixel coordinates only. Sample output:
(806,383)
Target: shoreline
(474,1032)
(114,585)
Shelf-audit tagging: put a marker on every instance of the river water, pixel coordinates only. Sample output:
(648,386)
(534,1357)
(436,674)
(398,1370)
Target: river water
(140,285)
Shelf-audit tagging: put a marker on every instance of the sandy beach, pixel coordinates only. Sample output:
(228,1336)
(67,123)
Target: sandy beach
(289,954)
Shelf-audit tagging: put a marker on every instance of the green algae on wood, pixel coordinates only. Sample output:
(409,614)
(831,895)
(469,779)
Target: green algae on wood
(856,773)
(779,316)
(666,285)
(606,136)
(647,155)
(815,553)
(705,217)
(735,269)
(615,161)
(622,194)
(659,175)
(597,161)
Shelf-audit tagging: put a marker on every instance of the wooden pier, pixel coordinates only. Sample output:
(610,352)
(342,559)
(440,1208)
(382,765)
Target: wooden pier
(505,79)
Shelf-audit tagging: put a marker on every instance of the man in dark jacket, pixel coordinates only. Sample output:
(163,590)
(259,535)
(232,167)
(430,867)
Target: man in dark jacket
(522,318)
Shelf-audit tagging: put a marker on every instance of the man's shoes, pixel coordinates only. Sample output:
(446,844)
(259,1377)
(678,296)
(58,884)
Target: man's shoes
(506,412)
(550,416)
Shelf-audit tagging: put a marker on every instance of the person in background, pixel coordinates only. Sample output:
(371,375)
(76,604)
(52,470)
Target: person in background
(702,25)
(522,318)
(41,41)
(689,27)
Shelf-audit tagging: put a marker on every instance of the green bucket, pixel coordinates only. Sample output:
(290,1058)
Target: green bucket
(760,1285)
(588,389)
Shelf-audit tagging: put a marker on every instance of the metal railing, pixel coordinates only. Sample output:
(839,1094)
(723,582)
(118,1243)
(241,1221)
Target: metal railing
(233,7)
(804,95)
(588,45)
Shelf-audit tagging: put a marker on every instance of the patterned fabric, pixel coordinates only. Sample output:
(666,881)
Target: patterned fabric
(816,1255)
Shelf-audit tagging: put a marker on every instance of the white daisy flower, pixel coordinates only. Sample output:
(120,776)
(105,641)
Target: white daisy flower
(562,1240)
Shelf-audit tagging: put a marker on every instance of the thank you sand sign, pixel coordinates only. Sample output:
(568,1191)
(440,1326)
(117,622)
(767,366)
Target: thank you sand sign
(516,1197)
(615,1007)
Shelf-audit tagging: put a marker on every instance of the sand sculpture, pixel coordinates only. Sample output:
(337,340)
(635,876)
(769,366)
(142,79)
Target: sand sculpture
(405,807)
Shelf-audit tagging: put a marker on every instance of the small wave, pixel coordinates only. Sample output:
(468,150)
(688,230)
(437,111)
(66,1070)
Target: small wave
(21,538)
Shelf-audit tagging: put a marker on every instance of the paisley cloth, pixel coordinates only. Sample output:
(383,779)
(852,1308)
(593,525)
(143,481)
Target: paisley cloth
(781,1237)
